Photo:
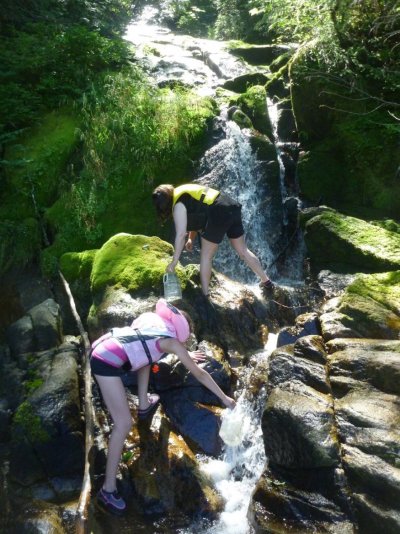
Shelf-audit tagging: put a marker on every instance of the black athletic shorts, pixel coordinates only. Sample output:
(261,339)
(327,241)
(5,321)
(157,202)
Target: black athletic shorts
(224,217)
(101,368)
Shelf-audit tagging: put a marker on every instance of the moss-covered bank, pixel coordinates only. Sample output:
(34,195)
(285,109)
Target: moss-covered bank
(85,176)
(350,158)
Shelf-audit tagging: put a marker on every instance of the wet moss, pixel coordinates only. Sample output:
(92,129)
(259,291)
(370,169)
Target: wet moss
(133,262)
(333,238)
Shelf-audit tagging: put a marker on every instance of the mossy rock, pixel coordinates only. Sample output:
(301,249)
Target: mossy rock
(241,119)
(259,54)
(254,103)
(240,84)
(371,305)
(133,262)
(42,153)
(333,238)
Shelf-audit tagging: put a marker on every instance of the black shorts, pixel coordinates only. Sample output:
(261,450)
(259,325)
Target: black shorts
(224,217)
(101,368)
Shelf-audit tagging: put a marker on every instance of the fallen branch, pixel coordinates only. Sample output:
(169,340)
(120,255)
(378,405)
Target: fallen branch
(84,499)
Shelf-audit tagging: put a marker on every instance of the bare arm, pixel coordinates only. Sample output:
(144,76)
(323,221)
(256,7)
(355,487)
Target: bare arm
(172,345)
(180,220)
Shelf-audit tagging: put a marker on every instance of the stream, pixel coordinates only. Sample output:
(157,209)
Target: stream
(231,164)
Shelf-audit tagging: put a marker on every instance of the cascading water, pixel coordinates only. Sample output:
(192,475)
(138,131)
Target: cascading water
(232,166)
(243,460)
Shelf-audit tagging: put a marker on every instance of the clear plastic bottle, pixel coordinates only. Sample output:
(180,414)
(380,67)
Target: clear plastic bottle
(172,287)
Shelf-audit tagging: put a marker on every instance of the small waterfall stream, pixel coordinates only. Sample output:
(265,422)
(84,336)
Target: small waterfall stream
(229,164)
(236,472)
(232,167)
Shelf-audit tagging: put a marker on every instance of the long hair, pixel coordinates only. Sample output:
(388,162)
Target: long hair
(162,197)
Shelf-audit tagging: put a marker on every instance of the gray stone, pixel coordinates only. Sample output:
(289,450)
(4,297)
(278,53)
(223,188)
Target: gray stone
(286,366)
(298,428)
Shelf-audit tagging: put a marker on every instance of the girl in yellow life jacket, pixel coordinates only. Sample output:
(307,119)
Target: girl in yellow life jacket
(198,208)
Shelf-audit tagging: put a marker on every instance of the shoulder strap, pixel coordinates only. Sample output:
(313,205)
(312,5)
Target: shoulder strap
(145,347)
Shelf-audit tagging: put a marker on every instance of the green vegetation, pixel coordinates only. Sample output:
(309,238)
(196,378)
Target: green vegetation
(131,262)
(27,425)
(82,145)
(133,136)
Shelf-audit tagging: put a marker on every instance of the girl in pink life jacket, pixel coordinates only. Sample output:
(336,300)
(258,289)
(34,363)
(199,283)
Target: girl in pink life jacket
(150,336)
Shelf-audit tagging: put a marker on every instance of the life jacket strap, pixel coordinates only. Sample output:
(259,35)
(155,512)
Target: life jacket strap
(145,347)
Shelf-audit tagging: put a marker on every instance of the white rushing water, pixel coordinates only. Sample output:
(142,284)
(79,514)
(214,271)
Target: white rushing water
(237,471)
(232,167)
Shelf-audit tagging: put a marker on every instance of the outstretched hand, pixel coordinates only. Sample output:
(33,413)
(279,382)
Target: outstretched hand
(171,267)
(229,402)
(197,355)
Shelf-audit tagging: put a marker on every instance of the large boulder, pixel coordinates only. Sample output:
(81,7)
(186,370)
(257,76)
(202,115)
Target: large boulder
(47,442)
(40,329)
(347,244)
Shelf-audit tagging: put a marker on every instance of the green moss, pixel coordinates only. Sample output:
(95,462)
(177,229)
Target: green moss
(333,238)
(371,305)
(253,103)
(43,152)
(383,288)
(132,262)
(77,265)
(28,425)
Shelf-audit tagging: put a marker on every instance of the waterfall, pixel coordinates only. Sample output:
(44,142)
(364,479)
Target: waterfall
(232,167)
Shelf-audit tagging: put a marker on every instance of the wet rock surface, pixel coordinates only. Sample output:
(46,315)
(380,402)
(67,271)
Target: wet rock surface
(359,377)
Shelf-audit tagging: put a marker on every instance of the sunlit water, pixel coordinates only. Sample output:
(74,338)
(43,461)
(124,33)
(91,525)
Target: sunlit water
(236,473)
(229,165)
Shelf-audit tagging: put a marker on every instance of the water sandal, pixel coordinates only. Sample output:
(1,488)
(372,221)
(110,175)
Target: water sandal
(111,501)
(154,400)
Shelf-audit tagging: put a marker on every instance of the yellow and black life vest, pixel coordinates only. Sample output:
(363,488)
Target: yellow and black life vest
(204,194)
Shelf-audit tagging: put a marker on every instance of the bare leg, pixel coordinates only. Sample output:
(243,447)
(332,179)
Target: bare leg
(143,384)
(207,254)
(114,395)
(245,254)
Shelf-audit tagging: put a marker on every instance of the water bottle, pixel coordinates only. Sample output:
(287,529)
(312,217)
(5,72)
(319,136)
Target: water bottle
(172,287)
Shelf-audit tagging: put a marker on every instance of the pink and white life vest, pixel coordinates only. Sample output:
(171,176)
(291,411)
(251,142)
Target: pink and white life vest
(148,328)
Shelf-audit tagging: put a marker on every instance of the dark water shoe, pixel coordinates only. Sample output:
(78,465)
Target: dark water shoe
(111,501)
